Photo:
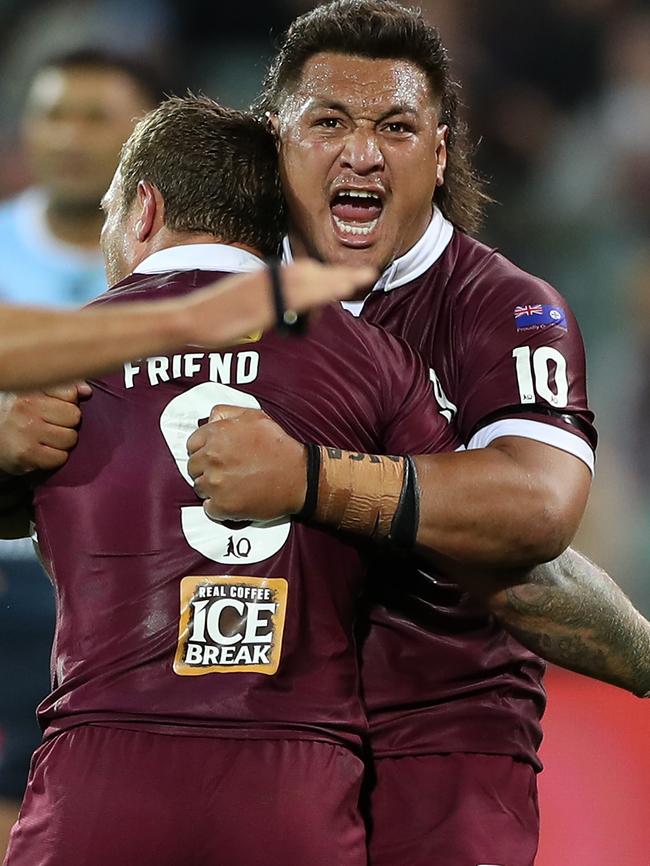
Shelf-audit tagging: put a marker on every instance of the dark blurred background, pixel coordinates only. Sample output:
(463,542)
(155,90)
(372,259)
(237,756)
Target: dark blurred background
(558,99)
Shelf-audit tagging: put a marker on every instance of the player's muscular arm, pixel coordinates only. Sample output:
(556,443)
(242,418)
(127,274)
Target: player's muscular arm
(514,504)
(517,502)
(39,347)
(568,610)
(573,614)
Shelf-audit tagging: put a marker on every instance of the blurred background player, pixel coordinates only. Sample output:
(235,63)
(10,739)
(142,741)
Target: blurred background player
(79,109)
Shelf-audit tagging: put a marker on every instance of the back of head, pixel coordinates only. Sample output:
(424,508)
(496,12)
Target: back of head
(216,169)
(383,29)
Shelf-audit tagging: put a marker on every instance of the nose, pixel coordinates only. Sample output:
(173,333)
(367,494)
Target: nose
(362,152)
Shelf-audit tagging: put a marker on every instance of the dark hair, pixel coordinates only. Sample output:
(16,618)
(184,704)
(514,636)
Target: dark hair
(215,168)
(385,29)
(146,79)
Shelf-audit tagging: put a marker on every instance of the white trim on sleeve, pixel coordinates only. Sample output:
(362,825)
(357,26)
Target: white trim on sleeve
(546,433)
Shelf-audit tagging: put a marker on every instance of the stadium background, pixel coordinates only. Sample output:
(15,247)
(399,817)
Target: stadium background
(558,95)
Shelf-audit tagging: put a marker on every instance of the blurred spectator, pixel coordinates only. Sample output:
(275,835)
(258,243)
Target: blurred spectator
(80,108)
(581,220)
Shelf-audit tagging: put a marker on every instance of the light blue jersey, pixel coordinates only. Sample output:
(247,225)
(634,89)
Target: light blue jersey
(36,268)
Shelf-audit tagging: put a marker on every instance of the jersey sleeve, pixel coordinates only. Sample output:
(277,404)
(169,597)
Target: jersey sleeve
(521,366)
(413,422)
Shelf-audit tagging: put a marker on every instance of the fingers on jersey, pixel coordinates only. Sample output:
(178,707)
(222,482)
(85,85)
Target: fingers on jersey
(37,430)
(242,459)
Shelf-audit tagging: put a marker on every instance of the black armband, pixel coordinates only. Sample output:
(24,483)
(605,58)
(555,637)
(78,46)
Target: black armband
(404,527)
(313,480)
(286,321)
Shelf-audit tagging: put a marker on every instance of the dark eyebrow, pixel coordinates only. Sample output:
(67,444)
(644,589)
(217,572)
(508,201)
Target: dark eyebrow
(335,105)
(332,104)
(399,109)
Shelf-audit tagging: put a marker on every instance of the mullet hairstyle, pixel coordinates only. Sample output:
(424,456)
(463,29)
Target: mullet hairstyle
(382,29)
(216,169)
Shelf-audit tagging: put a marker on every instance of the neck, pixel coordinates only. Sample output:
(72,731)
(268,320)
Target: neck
(78,225)
(298,247)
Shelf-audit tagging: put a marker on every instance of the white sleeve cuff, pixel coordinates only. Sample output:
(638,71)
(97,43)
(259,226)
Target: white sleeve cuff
(546,433)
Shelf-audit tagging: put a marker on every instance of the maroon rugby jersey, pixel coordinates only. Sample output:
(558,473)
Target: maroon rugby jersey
(506,357)
(166,617)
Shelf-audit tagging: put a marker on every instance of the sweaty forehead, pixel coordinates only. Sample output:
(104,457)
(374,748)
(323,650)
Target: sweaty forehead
(362,82)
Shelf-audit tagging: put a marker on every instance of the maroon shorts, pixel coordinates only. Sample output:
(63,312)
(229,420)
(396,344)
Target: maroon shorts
(101,796)
(453,810)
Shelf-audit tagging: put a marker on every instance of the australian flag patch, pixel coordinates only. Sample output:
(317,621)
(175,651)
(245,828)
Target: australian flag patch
(538,316)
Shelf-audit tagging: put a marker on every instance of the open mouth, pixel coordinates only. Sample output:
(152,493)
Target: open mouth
(355,215)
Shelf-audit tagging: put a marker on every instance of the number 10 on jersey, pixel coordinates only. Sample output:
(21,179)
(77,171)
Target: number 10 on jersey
(541,373)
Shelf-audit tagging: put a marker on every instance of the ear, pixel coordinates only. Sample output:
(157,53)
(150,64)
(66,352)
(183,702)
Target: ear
(273,125)
(149,206)
(441,154)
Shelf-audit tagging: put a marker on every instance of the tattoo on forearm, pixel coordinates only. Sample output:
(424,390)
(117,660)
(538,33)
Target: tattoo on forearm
(358,457)
(573,614)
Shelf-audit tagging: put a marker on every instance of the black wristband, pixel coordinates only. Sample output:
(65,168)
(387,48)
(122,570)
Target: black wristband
(404,526)
(286,321)
(313,479)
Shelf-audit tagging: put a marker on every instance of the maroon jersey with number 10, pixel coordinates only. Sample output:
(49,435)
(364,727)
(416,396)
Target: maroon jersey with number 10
(168,618)
(506,358)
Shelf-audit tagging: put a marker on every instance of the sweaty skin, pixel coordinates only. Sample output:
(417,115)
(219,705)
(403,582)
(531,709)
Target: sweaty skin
(367,126)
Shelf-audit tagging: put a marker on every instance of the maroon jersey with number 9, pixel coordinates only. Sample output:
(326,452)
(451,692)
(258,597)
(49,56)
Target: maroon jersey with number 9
(168,618)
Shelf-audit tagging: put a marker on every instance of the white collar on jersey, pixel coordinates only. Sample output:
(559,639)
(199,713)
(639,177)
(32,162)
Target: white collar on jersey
(200,257)
(413,263)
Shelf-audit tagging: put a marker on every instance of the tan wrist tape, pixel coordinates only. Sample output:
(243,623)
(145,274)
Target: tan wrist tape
(359,492)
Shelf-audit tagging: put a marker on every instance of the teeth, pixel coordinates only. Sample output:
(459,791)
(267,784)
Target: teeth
(349,228)
(357,193)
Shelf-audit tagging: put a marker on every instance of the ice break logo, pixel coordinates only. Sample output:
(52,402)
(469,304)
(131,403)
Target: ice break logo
(230,625)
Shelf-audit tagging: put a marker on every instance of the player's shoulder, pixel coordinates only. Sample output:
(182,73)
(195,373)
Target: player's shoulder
(480,274)
(141,286)
(365,335)
(368,348)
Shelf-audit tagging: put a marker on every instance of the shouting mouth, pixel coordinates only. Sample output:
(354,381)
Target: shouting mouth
(356,214)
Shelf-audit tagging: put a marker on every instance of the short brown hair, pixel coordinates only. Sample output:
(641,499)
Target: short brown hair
(216,170)
(385,29)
